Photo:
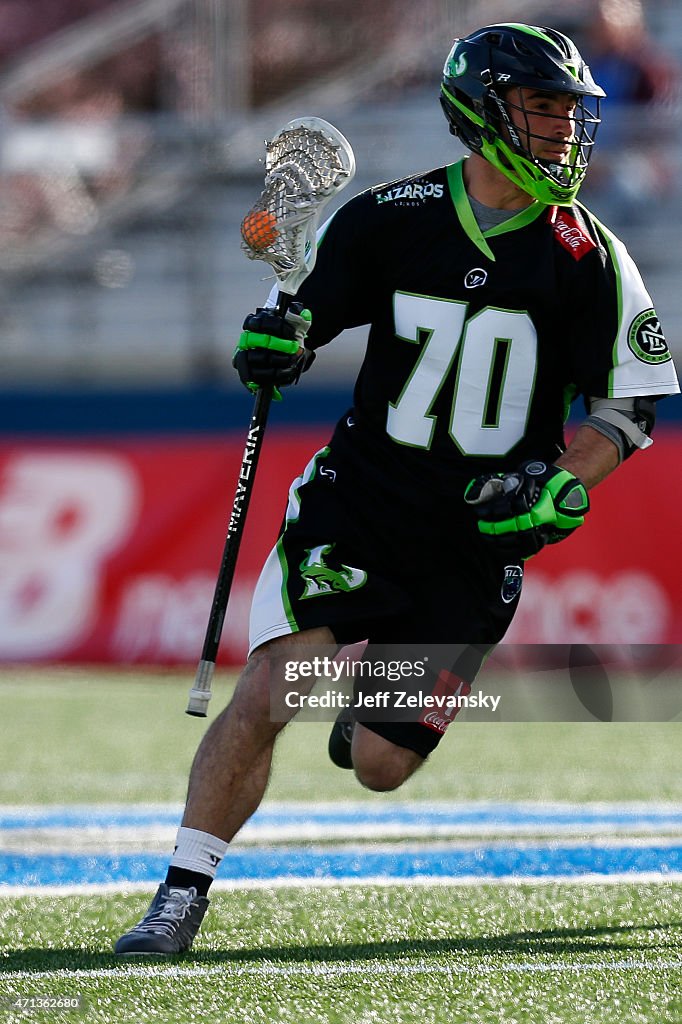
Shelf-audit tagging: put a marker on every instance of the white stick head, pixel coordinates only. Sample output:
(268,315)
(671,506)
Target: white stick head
(307,163)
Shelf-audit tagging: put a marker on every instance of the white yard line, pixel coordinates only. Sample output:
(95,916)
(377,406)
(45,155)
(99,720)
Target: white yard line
(373,968)
(151,840)
(384,810)
(378,881)
(159,839)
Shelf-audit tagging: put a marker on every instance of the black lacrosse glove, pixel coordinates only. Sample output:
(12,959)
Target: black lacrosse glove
(535,505)
(269,352)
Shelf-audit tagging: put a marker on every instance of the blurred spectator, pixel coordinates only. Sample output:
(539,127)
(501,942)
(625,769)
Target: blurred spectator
(66,149)
(302,40)
(625,60)
(126,82)
(634,164)
(23,24)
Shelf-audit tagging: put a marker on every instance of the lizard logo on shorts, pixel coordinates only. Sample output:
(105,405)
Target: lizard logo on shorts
(321,579)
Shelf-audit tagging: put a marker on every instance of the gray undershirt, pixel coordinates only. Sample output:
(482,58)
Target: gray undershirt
(488,217)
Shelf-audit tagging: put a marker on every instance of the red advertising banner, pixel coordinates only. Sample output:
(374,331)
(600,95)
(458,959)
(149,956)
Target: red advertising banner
(109,551)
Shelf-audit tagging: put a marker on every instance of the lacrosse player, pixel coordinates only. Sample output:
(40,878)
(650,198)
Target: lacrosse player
(494,299)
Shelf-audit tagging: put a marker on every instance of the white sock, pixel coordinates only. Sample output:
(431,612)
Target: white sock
(198,851)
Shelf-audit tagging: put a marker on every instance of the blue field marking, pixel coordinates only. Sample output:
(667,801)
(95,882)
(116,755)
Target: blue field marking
(609,840)
(492,817)
(484,861)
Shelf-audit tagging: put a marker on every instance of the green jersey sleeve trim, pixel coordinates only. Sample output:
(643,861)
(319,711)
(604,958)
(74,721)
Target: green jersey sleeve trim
(460,201)
(570,391)
(632,371)
(619,294)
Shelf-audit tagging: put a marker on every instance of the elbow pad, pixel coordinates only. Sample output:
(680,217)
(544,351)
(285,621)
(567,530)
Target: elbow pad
(628,422)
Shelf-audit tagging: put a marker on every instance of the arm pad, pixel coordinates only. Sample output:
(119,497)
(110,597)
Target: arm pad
(628,422)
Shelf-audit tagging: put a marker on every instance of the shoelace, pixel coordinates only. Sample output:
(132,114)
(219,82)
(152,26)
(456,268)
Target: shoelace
(174,909)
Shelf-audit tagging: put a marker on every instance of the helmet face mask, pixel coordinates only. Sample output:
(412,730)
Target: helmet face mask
(487,81)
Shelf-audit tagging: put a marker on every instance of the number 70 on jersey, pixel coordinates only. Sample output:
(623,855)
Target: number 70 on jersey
(494,381)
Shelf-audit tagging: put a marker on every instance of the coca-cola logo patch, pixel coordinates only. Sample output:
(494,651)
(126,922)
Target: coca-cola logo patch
(571,235)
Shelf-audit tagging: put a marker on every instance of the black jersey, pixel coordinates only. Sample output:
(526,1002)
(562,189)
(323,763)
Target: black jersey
(478,342)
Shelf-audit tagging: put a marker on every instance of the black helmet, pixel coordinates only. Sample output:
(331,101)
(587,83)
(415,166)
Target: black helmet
(475,95)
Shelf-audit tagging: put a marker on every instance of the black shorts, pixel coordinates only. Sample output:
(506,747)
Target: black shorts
(371,562)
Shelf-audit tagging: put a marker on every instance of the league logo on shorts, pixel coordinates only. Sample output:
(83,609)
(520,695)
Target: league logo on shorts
(512,583)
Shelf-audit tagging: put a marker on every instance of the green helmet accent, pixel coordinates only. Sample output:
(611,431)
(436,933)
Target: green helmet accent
(480,74)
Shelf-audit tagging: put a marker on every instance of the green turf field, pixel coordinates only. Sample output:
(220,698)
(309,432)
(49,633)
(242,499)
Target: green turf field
(73,735)
(428,954)
(424,956)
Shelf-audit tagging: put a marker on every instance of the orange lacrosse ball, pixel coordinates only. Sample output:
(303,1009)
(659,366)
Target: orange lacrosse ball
(259,229)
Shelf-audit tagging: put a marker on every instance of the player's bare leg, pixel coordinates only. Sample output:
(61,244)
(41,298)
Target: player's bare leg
(379,764)
(227,782)
(232,765)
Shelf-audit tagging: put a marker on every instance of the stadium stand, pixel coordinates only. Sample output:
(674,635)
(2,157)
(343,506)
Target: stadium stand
(125,172)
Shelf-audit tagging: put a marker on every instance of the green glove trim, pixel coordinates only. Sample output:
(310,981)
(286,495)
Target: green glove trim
(556,482)
(252,339)
(535,505)
(563,502)
(570,502)
(254,388)
(497,528)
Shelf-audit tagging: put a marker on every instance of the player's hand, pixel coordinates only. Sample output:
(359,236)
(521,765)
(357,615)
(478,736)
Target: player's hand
(270,350)
(535,505)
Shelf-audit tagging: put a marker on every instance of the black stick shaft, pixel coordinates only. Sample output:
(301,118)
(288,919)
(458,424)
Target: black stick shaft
(200,694)
(235,529)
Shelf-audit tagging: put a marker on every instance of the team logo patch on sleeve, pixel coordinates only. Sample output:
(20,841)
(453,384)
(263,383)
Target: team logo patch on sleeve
(646,339)
(570,234)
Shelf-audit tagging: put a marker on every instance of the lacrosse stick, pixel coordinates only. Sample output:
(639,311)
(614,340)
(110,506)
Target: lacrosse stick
(307,163)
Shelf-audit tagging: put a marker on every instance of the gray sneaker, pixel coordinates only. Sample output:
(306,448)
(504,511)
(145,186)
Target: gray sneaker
(170,924)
